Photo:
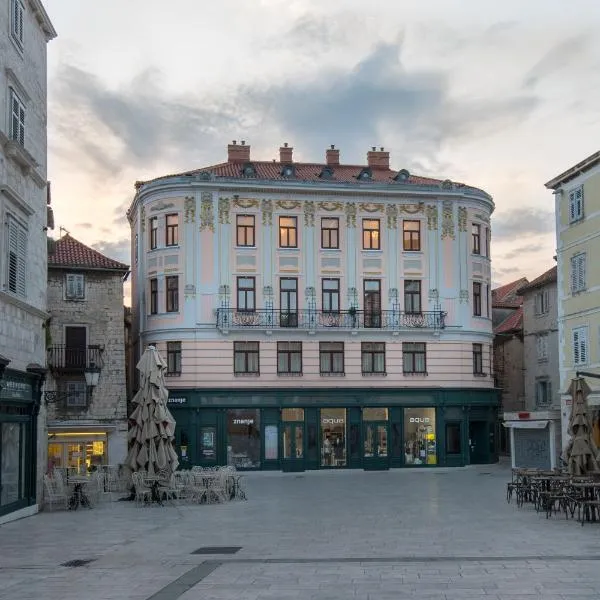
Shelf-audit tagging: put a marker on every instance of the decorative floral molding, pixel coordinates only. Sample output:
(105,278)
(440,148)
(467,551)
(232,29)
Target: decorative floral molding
(350,214)
(462,218)
(268,291)
(207,215)
(464,296)
(224,207)
(310,292)
(370,207)
(288,204)
(447,220)
(411,209)
(190,209)
(393,294)
(309,213)
(162,205)
(483,218)
(432,217)
(143,218)
(330,206)
(434,294)
(391,210)
(245,202)
(190,290)
(267,211)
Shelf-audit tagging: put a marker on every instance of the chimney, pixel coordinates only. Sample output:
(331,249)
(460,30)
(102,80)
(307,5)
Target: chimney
(239,153)
(378,159)
(332,157)
(285,154)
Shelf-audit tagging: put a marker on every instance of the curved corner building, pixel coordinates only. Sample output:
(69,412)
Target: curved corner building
(318,315)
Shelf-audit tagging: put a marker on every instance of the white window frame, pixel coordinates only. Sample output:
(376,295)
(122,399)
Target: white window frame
(76,394)
(16,257)
(578,265)
(540,385)
(576,204)
(541,301)
(17,20)
(16,117)
(580,345)
(542,347)
(74,286)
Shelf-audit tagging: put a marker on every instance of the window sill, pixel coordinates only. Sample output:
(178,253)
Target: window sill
(413,252)
(285,374)
(241,374)
(479,374)
(288,248)
(372,250)
(577,221)
(335,250)
(415,373)
(174,374)
(325,374)
(374,374)
(542,360)
(171,247)
(74,299)
(18,45)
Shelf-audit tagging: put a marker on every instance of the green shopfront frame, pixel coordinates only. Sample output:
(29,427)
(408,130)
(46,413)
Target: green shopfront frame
(296,430)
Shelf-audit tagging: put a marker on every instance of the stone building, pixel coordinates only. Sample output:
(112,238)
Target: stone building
(25,30)
(86,387)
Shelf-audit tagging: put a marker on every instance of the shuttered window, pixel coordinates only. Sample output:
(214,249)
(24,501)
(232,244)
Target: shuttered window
(17,118)
(75,286)
(17,258)
(578,273)
(17,17)
(580,346)
(576,204)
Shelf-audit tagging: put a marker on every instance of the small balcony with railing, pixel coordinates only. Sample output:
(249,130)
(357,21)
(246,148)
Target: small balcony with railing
(394,321)
(64,359)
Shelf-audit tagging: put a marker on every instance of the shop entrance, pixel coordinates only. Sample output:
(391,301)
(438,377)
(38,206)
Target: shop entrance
(333,437)
(375,438)
(478,442)
(292,439)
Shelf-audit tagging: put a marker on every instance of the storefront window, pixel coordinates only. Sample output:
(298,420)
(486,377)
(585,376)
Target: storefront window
(10,461)
(208,443)
(333,437)
(420,447)
(55,456)
(243,438)
(79,454)
(271,442)
(292,414)
(375,414)
(453,438)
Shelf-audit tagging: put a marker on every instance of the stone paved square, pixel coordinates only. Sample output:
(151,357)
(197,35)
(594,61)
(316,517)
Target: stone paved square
(438,533)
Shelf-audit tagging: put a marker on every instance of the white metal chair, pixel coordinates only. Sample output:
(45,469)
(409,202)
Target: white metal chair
(54,493)
(142,492)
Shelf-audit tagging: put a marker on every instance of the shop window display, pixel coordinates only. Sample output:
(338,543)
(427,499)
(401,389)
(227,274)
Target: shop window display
(243,438)
(333,437)
(420,447)
(10,449)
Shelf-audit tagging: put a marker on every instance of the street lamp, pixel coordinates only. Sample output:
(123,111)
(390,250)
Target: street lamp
(92,375)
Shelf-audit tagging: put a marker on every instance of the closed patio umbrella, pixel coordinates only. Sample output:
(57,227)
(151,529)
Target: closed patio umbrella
(581,453)
(151,425)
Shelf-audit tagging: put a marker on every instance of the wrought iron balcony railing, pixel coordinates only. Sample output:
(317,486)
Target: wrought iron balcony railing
(309,319)
(74,359)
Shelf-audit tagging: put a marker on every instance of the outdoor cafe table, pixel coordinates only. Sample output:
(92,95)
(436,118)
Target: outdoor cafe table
(589,505)
(153,482)
(78,495)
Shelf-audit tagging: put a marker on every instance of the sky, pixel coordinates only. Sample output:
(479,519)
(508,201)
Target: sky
(499,95)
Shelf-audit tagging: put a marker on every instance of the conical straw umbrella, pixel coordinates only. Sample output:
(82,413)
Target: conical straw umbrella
(581,453)
(151,425)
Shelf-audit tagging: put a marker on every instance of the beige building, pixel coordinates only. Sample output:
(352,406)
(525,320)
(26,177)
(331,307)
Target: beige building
(577,214)
(86,389)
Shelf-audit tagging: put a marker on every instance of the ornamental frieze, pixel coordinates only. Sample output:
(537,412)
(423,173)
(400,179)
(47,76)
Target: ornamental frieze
(266,207)
(189,207)
(350,214)
(330,206)
(370,207)
(432,217)
(224,208)
(207,215)
(391,210)
(462,218)
(447,220)
(288,204)
(143,218)
(309,213)
(483,218)
(245,203)
(411,209)
(162,205)
(464,296)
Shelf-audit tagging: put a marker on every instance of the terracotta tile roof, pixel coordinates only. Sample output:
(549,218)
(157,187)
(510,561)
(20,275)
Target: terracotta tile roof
(69,252)
(506,296)
(548,277)
(514,322)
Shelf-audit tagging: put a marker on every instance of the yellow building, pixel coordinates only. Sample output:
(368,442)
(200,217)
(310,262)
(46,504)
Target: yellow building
(577,215)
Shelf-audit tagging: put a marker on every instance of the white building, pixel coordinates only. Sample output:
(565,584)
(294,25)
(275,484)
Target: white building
(25,30)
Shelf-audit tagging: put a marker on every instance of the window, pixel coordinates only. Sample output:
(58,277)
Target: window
(288,301)
(75,284)
(476,299)
(541,302)
(414,357)
(331,358)
(173,358)
(580,346)
(477,359)
(331,295)
(76,393)
(577,273)
(476,238)
(153,232)
(172,293)
(487,300)
(411,231)
(371,239)
(487,241)
(330,232)
(246,294)
(153,296)
(453,438)
(289,358)
(543,392)
(412,296)
(576,204)
(373,357)
(288,232)
(372,302)
(17,18)
(172,238)
(17,258)
(136,248)
(245,230)
(17,118)
(245,358)
(541,344)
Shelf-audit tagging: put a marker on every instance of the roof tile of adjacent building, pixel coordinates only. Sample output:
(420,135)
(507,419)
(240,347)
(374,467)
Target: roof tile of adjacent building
(71,253)
(512,323)
(545,278)
(506,296)
(572,172)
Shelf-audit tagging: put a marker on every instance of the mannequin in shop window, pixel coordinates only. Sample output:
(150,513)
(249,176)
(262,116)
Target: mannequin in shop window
(327,448)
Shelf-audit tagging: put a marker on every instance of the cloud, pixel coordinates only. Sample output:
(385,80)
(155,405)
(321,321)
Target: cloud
(521,250)
(118,250)
(84,226)
(522,222)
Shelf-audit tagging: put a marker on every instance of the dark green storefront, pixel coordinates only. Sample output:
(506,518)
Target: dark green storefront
(296,430)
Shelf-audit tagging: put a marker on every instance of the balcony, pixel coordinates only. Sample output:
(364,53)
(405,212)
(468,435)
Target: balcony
(72,359)
(312,320)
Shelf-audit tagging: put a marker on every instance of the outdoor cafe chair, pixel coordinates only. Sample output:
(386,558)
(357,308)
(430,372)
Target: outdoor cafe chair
(142,492)
(54,494)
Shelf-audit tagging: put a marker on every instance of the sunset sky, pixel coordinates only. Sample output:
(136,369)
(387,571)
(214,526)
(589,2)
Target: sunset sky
(503,96)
